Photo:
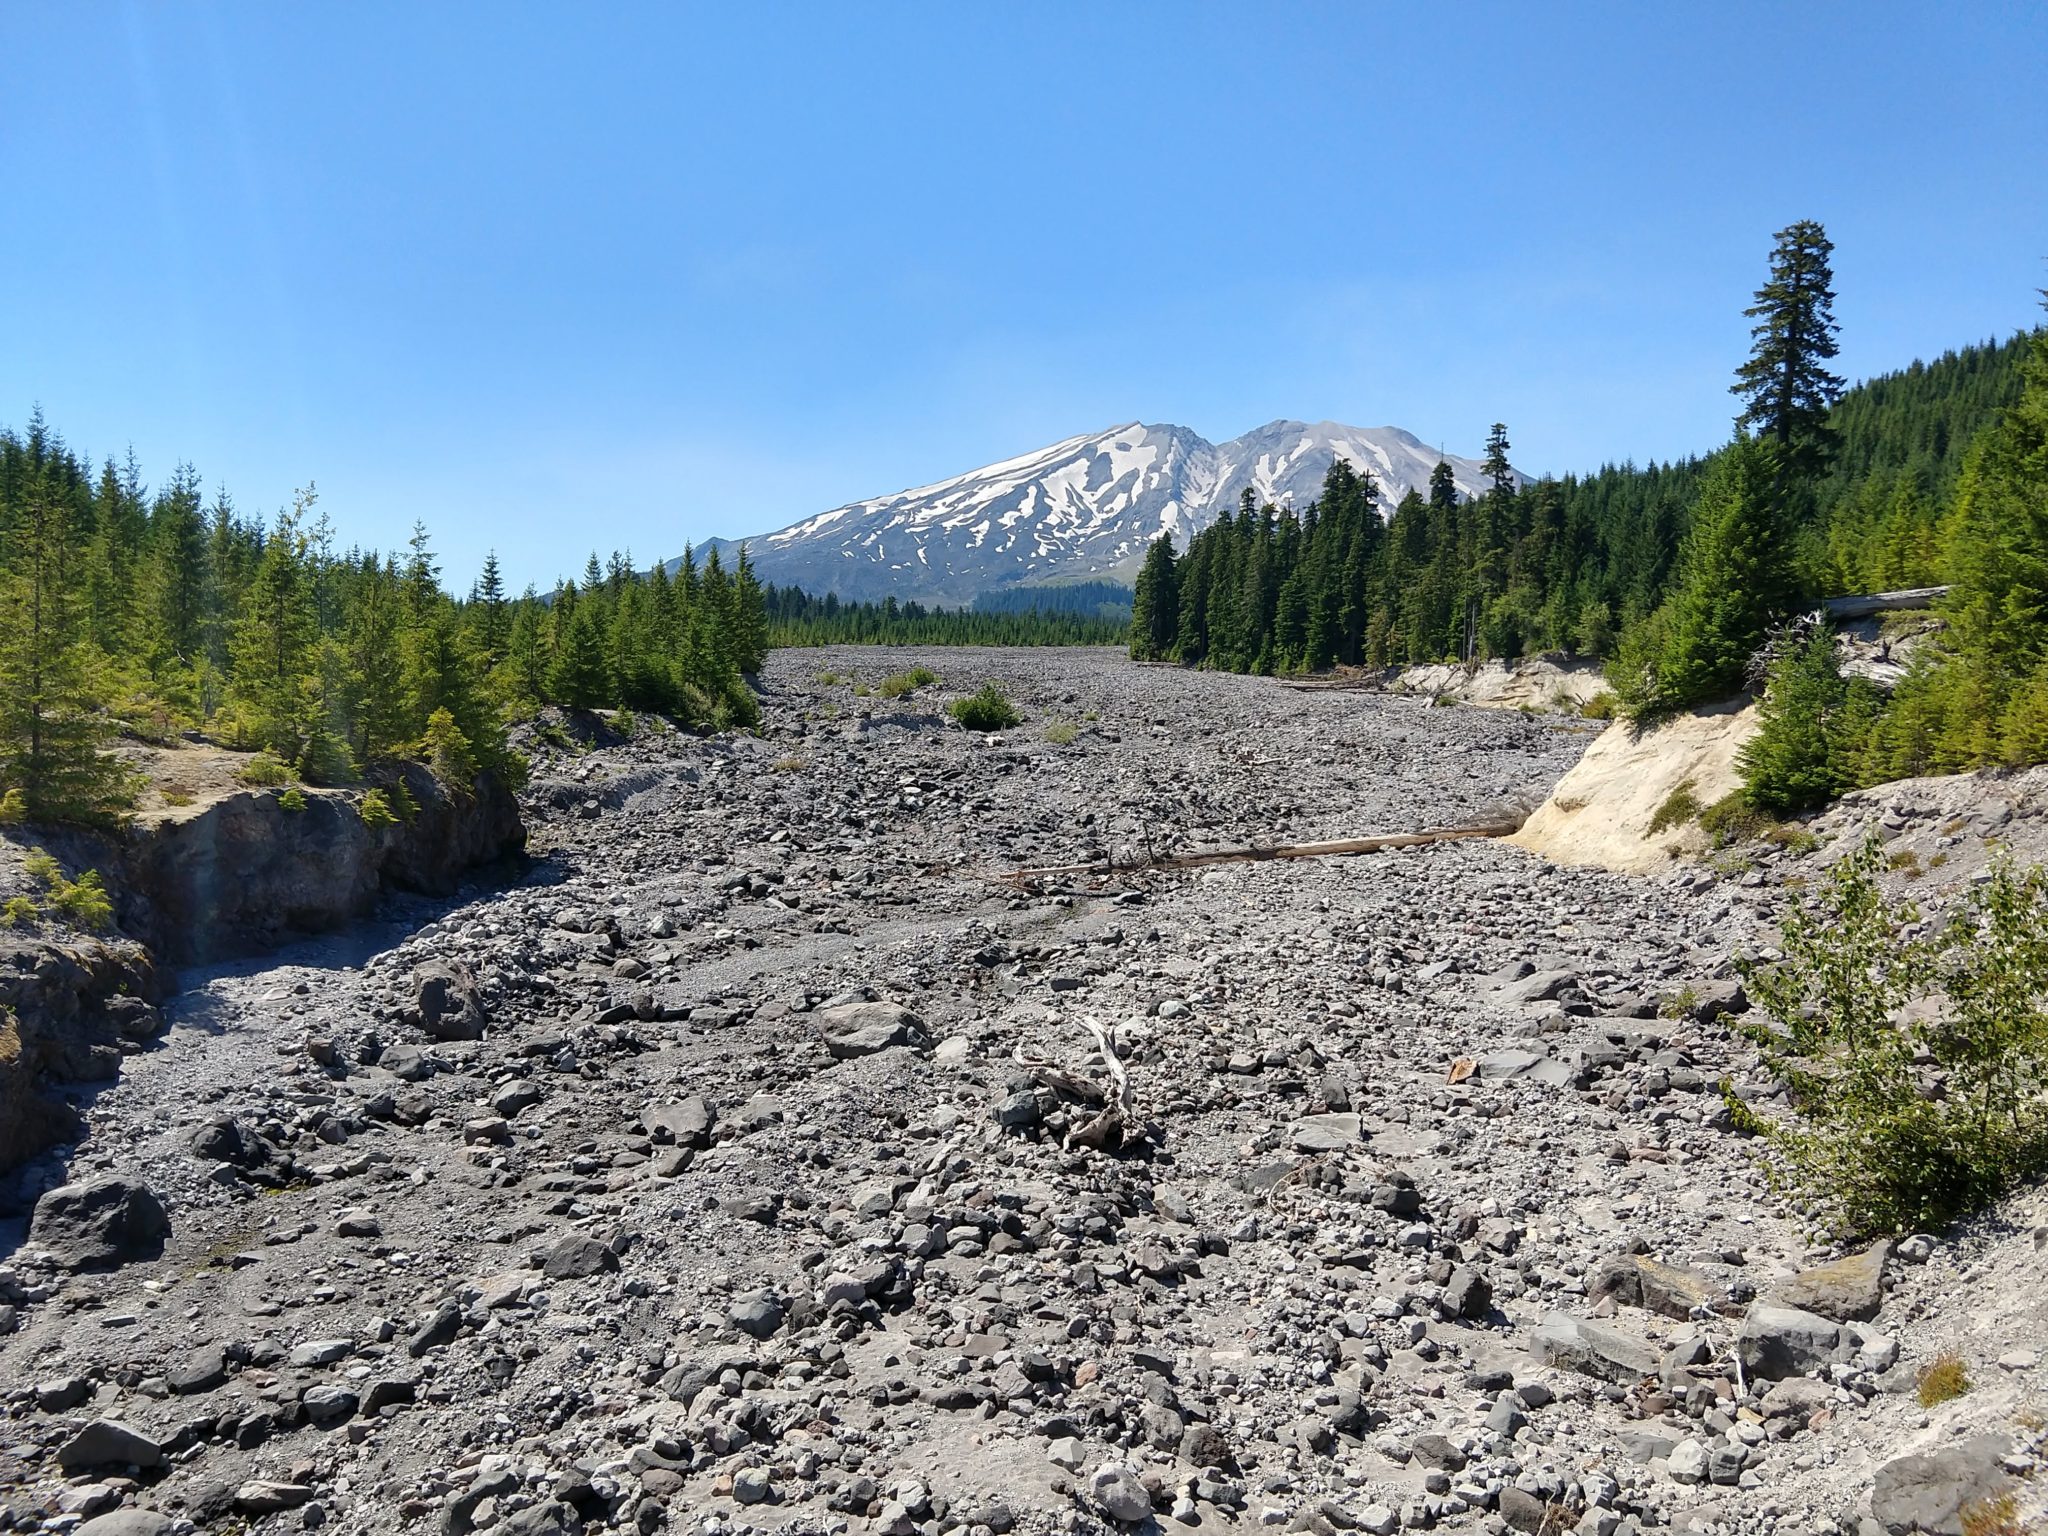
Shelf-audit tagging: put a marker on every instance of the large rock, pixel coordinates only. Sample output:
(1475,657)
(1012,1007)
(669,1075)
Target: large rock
(687,1124)
(1929,1492)
(128,1522)
(1670,1289)
(446,1003)
(1848,1290)
(1573,1344)
(862,1029)
(108,1443)
(100,1224)
(1775,1342)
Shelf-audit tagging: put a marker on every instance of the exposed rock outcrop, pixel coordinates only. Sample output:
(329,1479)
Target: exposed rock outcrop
(244,872)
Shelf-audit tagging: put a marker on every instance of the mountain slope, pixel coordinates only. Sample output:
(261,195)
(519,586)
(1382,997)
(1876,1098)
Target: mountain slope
(1085,507)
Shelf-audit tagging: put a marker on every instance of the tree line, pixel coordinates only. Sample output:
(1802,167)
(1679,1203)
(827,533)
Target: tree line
(796,618)
(126,610)
(1676,574)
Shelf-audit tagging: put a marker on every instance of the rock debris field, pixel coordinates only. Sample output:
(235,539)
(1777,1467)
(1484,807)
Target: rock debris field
(762,1162)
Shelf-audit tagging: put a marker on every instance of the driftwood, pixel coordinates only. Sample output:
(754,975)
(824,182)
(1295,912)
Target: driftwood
(1868,603)
(1341,845)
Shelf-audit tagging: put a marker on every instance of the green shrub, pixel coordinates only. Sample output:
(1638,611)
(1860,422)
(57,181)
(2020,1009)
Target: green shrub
(624,722)
(376,810)
(266,770)
(1676,1005)
(986,709)
(84,901)
(402,801)
(293,799)
(1904,1128)
(1061,733)
(1732,819)
(1680,808)
(1599,707)
(19,910)
(898,684)
(13,808)
(827,679)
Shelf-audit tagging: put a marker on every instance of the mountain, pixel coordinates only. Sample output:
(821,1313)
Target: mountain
(1083,508)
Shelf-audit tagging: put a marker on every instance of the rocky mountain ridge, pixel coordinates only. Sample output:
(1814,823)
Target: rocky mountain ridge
(1082,508)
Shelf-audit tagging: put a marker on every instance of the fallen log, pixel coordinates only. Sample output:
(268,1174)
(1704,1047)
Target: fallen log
(1342,845)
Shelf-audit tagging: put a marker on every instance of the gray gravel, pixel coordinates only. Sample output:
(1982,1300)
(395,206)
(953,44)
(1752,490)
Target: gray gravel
(757,1165)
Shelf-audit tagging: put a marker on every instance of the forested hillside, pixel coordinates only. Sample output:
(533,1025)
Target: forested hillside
(1560,564)
(149,612)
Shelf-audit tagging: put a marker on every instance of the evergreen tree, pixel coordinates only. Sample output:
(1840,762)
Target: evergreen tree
(51,726)
(273,638)
(1155,603)
(1733,577)
(1786,388)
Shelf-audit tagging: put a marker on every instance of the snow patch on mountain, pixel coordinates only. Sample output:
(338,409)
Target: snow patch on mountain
(1083,508)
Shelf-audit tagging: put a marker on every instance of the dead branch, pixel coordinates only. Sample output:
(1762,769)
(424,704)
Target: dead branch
(1345,845)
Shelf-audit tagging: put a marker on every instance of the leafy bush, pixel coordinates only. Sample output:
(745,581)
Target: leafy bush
(1061,733)
(19,910)
(176,797)
(402,801)
(376,810)
(265,770)
(293,799)
(1903,1128)
(1599,707)
(986,709)
(1943,1379)
(1680,808)
(898,684)
(13,808)
(624,722)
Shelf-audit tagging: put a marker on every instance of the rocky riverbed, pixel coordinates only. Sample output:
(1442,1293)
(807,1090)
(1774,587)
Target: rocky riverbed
(764,1162)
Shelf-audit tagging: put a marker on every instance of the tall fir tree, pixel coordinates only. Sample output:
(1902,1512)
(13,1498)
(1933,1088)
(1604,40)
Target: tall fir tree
(1786,387)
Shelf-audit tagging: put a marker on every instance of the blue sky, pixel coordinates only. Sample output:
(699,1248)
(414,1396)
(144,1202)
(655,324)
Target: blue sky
(555,277)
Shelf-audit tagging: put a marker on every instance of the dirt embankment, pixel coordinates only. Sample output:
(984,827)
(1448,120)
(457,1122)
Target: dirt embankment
(1604,812)
(208,867)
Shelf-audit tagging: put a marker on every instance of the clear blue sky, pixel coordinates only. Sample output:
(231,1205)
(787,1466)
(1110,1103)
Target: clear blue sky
(559,276)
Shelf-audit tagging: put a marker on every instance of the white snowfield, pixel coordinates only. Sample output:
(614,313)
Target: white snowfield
(1083,508)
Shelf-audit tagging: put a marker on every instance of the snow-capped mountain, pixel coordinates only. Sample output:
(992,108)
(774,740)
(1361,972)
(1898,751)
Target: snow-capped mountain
(1083,508)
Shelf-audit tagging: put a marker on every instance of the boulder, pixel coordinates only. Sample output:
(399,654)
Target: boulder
(1775,1342)
(862,1029)
(127,1522)
(101,1224)
(1467,1294)
(687,1124)
(108,1443)
(1928,1492)
(577,1257)
(445,1002)
(224,1139)
(1848,1290)
(1670,1289)
(1573,1344)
